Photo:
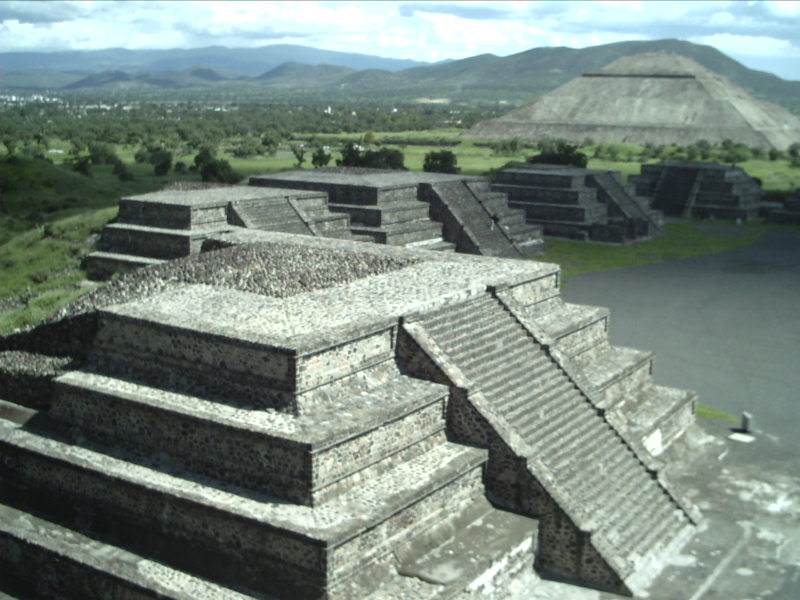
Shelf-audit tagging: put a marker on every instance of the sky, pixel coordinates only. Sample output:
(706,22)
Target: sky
(760,35)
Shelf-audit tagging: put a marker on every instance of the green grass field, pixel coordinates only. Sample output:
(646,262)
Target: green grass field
(681,239)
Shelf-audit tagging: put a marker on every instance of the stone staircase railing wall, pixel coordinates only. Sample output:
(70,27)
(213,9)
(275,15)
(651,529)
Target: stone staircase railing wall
(466,222)
(542,420)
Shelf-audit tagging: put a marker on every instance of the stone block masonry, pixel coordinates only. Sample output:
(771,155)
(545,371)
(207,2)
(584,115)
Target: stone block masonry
(308,417)
(701,190)
(578,203)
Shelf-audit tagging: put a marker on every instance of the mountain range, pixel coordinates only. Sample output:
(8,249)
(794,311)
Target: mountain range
(302,70)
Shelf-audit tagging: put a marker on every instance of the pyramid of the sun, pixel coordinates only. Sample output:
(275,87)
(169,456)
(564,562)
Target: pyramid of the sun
(655,97)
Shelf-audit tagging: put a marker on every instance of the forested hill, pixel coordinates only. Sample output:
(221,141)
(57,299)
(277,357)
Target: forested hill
(301,70)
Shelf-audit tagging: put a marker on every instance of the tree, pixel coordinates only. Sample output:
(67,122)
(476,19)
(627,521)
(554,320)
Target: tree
(121,170)
(443,161)
(206,155)
(370,139)
(82,165)
(249,146)
(102,154)
(353,155)
(320,158)
(219,170)
(161,161)
(560,152)
(299,152)
(10,143)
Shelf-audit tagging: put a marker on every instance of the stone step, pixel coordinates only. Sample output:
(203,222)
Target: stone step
(466,332)
(544,398)
(618,373)
(659,415)
(153,242)
(462,206)
(87,568)
(433,244)
(573,327)
(326,224)
(546,432)
(102,265)
(461,552)
(399,234)
(669,526)
(202,209)
(454,321)
(488,369)
(595,450)
(479,186)
(297,548)
(572,443)
(624,473)
(615,460)
(380,215)
(645,511)
(509,343)
(508,373)
(517,397)
(306,460)
(26,378)
(171,338)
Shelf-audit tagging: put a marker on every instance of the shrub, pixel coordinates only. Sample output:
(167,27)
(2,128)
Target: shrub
(560,152)
(443,161)
(219,170)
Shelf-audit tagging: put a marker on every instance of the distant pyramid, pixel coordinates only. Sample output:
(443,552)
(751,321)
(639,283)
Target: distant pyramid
(655,97)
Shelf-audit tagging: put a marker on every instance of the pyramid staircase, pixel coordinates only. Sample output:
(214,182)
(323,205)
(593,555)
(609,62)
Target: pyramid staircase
(471,219)
(604,509)
(392,220)
(307,216)
(302,469)
(511,221)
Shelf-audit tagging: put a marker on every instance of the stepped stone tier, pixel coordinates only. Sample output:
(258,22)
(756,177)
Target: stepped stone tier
(169,224)
(578,203)
(656,98)
(319,418)
(697,189)
(789,212)
(416,208)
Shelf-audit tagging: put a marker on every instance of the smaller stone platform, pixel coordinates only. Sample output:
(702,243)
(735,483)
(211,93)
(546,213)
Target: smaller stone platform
(578,203)
(171,224)
(698,189)
(426,210)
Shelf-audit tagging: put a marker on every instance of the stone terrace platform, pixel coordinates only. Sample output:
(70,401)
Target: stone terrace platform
(307,417)
(418,209)
(170,224)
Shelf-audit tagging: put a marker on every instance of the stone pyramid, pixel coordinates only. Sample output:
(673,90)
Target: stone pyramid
(310,418)
(655,97)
